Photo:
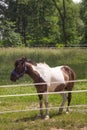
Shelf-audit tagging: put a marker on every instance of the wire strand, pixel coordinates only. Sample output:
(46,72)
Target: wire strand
(37,109)
(34,94)
(32,84)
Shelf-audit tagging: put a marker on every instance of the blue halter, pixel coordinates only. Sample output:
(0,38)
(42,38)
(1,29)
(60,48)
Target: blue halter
(15,73)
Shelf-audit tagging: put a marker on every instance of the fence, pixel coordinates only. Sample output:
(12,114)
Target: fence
(33,94)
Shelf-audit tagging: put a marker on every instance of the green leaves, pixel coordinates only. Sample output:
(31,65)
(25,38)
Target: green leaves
(83,15)
(10,37)
(42,22)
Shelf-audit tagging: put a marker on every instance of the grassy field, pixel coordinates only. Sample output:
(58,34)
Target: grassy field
(76,119)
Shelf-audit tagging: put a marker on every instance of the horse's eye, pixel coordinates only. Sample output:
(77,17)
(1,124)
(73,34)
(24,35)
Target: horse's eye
(16,64)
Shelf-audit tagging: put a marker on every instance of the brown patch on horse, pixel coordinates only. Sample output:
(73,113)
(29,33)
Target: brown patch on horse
(69,75)
(60,87)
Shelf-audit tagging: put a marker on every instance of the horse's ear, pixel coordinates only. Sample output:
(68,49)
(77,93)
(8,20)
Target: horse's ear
(24,59)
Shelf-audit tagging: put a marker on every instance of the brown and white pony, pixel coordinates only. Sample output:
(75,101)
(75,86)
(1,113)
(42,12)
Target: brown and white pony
(43,73)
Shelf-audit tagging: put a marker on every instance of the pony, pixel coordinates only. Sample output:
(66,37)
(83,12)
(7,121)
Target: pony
(44,77)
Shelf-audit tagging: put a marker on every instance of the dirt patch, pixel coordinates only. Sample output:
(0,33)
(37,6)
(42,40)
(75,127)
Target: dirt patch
(84,128)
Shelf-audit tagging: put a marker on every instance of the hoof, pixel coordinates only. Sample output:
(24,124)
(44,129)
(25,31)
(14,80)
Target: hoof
(47,117)
(67,112)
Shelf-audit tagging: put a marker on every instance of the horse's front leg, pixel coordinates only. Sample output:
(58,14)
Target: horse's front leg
(46,105)
(41,105)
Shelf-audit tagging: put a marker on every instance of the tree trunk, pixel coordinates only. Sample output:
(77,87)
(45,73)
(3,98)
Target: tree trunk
(63,20)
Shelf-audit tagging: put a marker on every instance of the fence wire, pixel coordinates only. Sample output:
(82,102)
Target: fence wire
(33,94)
(32,84)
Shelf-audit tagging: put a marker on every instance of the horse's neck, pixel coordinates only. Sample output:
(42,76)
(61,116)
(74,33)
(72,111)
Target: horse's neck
(33,74)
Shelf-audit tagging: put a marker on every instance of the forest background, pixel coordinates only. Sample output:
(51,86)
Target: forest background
(34,23)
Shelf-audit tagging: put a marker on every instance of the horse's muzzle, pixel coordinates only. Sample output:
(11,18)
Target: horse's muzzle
(13,77)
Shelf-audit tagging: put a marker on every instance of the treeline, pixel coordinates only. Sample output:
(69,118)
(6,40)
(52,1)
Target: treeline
(43,23)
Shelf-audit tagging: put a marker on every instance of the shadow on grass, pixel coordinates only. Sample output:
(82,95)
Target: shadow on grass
(37,117)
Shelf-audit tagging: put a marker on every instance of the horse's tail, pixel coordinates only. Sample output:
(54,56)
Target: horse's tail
(71,84)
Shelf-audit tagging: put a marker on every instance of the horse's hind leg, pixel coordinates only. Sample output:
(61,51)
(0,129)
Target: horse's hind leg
(63,102)
(69,100)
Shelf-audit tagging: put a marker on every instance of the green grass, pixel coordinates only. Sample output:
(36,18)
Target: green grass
(76,119)
(28,121)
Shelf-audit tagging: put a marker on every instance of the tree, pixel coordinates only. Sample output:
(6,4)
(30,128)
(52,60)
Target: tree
(67,20)
(41,22)
(63,18)
(32,20)
(15,13)
(83,15)
(10,37)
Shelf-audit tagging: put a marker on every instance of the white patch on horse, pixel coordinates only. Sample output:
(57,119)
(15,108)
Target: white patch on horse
(56,77)
(50,75)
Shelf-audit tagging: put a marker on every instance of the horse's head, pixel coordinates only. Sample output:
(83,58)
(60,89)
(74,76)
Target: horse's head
(19,70)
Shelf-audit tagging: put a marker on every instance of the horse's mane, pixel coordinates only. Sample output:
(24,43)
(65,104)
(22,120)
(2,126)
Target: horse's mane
(37,64)
(32,62)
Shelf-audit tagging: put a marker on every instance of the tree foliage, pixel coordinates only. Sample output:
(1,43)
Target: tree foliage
(10,37)
(83,14)
(42,22)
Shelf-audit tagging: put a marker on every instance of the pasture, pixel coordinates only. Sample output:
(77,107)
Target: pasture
(77,118)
